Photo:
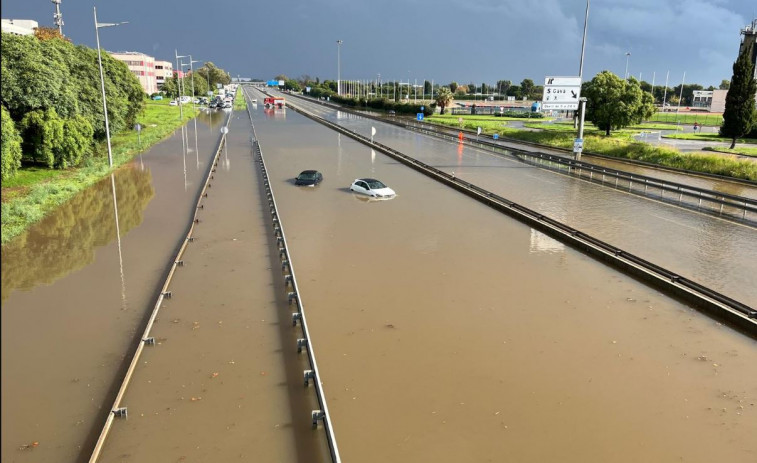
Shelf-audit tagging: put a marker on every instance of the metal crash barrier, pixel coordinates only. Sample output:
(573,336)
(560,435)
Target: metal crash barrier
(290,282)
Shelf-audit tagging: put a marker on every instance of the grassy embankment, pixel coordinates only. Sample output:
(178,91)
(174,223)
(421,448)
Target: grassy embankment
(619,144)
(239,101)
(36,191)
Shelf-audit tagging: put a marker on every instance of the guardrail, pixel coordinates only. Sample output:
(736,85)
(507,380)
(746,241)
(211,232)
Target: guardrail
(733,312)
(116,409)
(290,280)
(734,207)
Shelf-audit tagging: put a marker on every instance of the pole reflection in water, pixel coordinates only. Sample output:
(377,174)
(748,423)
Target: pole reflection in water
(339,154)
(184,155)
(373,161)
(118,241)
(197,150)
(226,162)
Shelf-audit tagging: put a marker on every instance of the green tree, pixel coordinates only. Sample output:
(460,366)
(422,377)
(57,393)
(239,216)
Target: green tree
(613,103)
(527,88)
(11,145)
(214,75)
(503,86)
(291,84)
(453,86)
(75,144)
(42,134)
(443,98)
(724,84)
(514,90)
(35,76)
(739,116)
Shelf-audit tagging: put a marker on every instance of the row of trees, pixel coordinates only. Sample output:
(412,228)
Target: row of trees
(204,79)
(51,101)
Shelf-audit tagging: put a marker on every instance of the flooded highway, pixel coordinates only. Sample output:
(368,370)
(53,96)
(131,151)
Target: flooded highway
(445,330)
(448,332)
(74,295)
(714,252)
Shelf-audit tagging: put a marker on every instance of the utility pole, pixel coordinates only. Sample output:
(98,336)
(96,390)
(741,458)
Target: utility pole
(577,152)
(58,16)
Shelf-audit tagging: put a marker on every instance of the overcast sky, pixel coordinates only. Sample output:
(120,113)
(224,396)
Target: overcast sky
(444,40)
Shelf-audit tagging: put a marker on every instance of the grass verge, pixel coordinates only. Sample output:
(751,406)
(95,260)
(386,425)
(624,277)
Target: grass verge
(36,191)
(620,144)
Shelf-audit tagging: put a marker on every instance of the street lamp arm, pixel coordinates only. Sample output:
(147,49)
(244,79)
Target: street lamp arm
(101,25)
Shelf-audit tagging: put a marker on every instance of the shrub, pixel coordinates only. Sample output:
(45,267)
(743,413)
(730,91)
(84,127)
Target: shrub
(42,134)
(11,146)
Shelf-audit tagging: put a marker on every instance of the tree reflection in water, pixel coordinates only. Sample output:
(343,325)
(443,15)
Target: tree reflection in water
(66,240)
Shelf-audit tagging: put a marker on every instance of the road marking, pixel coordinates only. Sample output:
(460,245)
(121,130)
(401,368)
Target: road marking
(675,222)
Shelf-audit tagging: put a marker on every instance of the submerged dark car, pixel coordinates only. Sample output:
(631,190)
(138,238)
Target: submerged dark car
(308,178)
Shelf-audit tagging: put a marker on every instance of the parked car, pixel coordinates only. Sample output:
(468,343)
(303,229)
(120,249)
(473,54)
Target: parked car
(157,97)
(212,104)
(185,99)
(372,187)
(309,178)
(173,103)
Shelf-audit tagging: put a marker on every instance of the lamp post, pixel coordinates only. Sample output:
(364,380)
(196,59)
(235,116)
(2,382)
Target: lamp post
(194,109)
(628,55)
(179,68)
(338,67)
(102,79)
(577,152)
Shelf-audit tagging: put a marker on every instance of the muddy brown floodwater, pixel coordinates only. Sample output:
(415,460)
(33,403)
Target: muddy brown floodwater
(74,296)
(224,380)
(448,332)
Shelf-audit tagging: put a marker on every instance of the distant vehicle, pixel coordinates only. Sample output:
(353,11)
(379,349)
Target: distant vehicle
(196,101)
(157,97)
(274,102)
(185,99)
(254,101)
(226,105)
(173,103)
(309,178)
(372,187)
(392,112)
(212,104)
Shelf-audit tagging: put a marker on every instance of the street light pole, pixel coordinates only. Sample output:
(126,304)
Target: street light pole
(577,152)
(628,55)
(339,67)
(102,79)
(194,108)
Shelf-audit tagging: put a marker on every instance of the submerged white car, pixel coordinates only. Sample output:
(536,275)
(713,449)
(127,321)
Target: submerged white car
(372,187)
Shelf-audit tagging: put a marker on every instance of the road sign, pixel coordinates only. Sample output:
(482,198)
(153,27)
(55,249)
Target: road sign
(578,145)
(495,136)
(478,131)
(561,92)
(420,116)
(423,108)
(138,127)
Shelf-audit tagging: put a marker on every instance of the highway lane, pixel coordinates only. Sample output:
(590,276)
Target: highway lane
(714,252)
(446,331)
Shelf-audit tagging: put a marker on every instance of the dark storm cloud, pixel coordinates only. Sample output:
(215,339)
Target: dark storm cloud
(472,40)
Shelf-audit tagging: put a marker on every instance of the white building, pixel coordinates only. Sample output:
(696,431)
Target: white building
(142,66)
(163,71)
(19,26)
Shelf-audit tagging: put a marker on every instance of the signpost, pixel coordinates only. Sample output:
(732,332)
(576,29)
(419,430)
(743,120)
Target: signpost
(138,128)
(578,145)
(419,116)
(561,93)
